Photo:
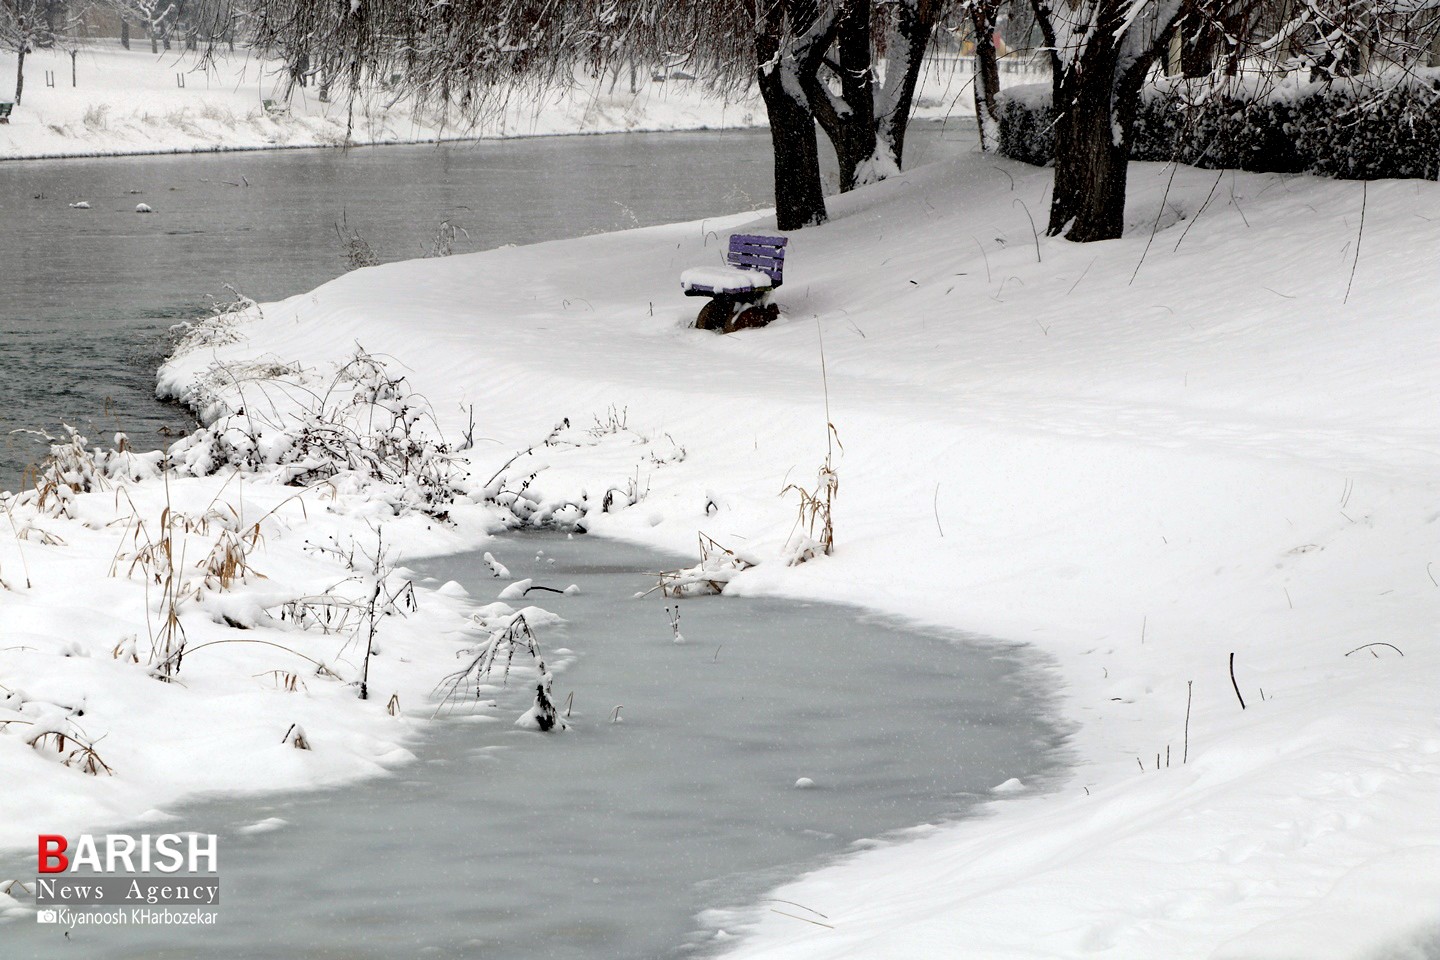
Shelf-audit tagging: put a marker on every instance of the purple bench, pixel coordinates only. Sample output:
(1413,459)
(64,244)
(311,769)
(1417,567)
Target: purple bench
(755,265)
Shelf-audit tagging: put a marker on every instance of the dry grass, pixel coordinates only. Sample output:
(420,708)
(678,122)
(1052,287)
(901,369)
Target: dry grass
(285,680)
(815,512)
(718,565)
(816,506)
(74,749)
(355,248)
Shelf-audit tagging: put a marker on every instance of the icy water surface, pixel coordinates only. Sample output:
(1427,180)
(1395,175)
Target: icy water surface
(87,295)
(609,841)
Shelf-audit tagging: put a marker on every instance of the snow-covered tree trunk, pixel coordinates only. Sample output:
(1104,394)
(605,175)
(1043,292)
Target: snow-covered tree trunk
(849,118)
(1101,51)
(20,72)
(1091,161)
(799,197)
(1198,39)
(912,23)
(983,14)
(791,38)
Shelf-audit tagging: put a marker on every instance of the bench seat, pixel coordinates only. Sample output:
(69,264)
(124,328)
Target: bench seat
(723,281)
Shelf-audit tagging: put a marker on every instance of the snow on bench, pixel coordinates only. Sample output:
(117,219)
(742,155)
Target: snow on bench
(713,281)
(756,265)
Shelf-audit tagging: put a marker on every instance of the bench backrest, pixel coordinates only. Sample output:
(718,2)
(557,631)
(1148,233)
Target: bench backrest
(5,107)
(766,254)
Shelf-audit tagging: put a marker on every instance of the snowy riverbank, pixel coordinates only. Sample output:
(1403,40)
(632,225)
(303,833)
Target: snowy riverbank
(131,102)
(1141,457)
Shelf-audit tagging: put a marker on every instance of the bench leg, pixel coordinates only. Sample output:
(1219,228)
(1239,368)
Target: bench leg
(716,314)
(728,314)
(754,315)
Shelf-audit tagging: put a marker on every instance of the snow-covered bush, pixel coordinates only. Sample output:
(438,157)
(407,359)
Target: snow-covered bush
(1027,123)
(1369,131)
(218,329)
(360,427)
(517,487)
(74,467)
(497,654)
(1195,122)
(1356,128)
(718,566)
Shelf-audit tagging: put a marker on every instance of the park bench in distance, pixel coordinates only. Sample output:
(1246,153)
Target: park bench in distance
(739,293)
(5,107)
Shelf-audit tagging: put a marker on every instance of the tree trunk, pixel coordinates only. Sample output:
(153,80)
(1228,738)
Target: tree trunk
(904,56)
(1095,102)
(987,73)
(20,71)
(1199,40)
(1090,165)
(125,34)
(799,198)
(849,122)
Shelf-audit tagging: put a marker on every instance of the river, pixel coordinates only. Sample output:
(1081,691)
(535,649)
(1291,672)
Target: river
(644,832)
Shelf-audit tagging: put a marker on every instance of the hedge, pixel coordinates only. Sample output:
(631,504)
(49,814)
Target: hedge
(1363,129)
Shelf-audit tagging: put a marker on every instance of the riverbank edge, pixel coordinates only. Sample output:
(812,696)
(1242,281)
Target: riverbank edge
(419,141)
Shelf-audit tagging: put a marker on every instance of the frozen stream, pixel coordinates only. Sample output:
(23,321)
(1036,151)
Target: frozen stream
(612,840)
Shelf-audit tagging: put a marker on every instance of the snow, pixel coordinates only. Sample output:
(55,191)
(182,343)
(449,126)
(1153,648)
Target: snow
(129,102)
(723,279)
(1139,457)
(516,590)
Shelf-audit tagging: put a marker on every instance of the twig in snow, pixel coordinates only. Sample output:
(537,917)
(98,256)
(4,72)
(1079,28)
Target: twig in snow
(1236,200)
(986,256)
(1081,277)
(1378,643)
(1232,681)
(794,904)
(1200,211)
(1033,232)
(935,505)
(806,919)
(1359,236)
(1155,227)
(1189,696)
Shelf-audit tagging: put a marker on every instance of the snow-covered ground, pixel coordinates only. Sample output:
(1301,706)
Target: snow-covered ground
(127,102)
(1141,457)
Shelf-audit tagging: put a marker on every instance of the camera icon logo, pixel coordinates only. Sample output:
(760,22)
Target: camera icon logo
(47,916)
